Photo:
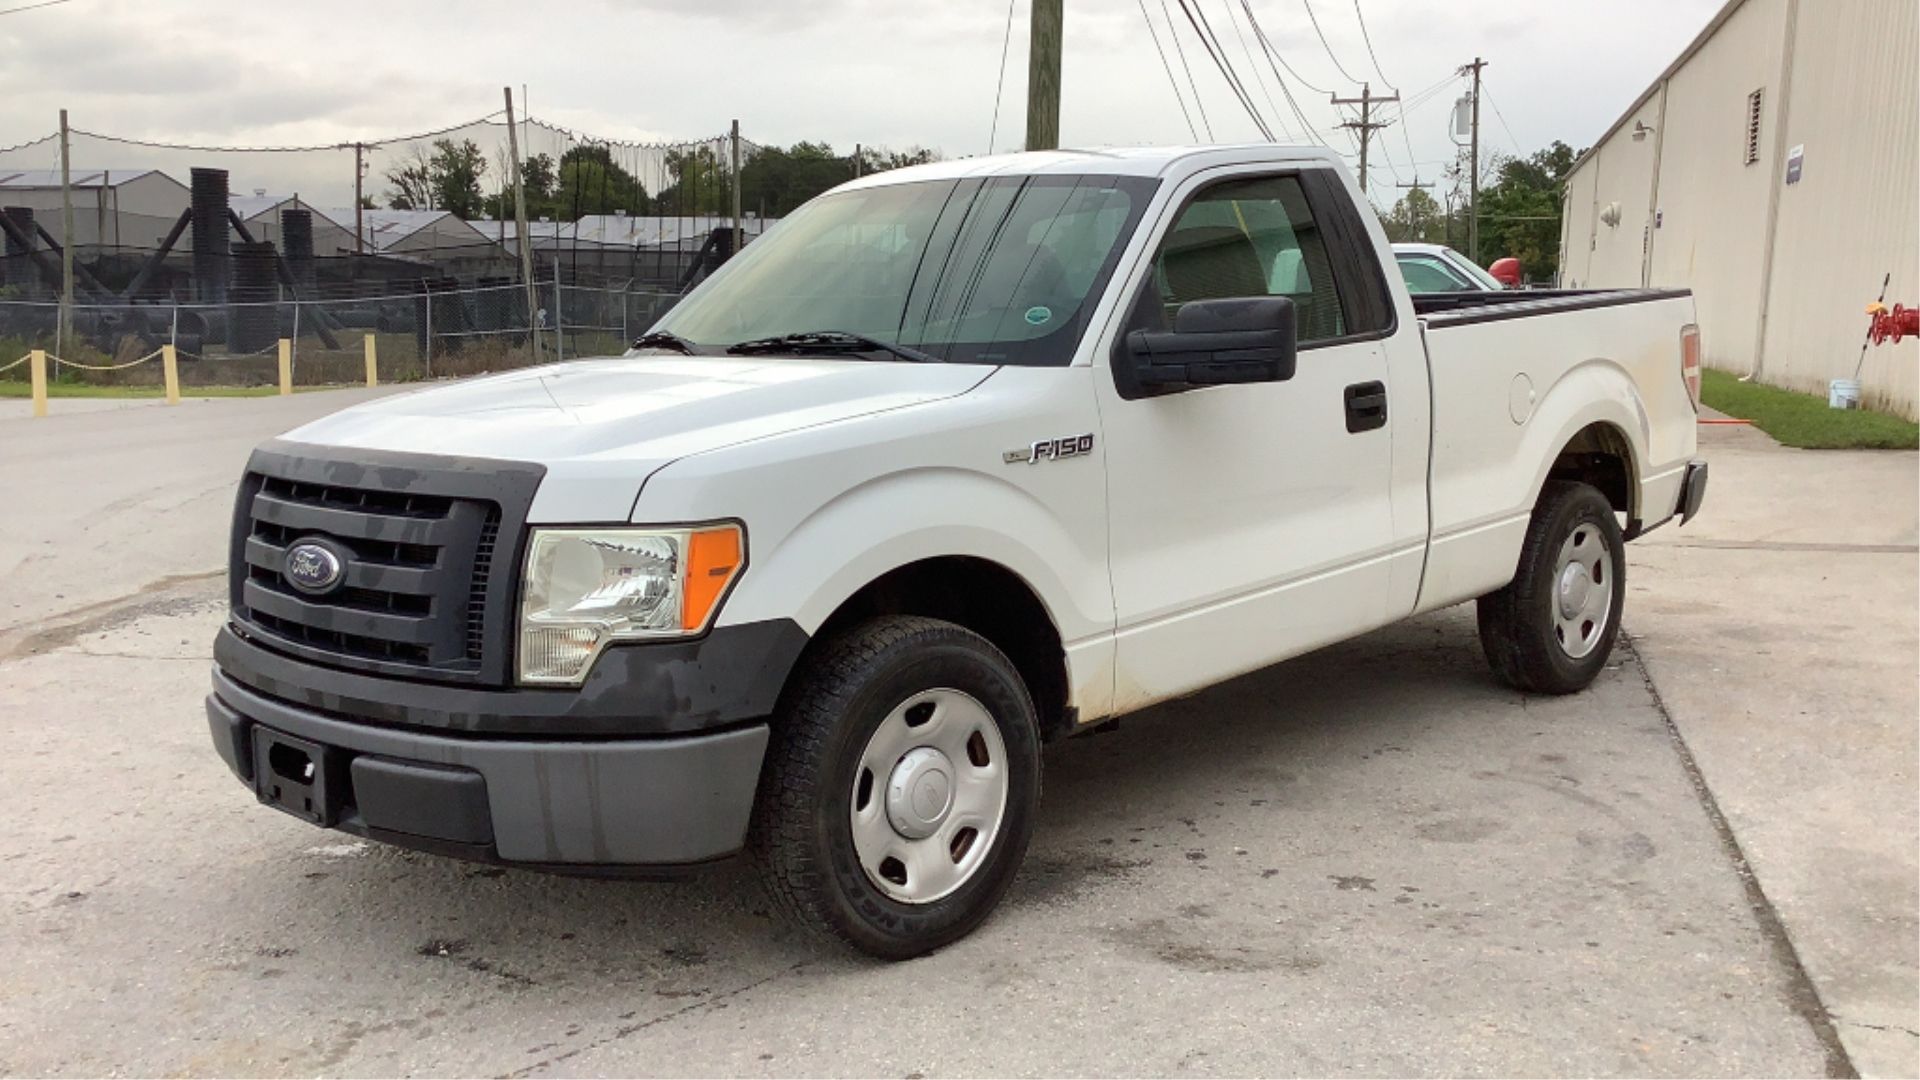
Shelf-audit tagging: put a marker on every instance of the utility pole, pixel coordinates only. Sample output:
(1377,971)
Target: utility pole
(739,235)
(1418,234)
(1043,75)
(66,241)
(1366,125)
(359,199)
(1473,166)
(520,227)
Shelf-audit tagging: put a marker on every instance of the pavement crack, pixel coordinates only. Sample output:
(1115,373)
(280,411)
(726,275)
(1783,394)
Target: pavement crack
(1802,995)
(71,626)
(626,1030)
(1892,1028)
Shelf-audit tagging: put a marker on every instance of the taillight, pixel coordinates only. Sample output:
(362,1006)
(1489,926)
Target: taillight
(1690,362)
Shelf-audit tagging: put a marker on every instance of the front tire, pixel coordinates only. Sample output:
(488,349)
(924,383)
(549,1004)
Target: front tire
(1551,629)
(900,786)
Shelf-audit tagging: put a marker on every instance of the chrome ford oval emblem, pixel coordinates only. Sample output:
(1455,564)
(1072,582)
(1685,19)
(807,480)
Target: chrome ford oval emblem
(313,568)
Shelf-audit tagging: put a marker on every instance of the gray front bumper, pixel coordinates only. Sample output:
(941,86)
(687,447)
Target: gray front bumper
(642,804)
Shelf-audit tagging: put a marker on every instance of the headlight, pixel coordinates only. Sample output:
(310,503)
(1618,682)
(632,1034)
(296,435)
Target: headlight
(585,587)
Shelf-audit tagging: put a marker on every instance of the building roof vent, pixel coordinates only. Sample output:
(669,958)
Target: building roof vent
(1753,128)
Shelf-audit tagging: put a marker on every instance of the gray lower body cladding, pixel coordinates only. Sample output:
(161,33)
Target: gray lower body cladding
(651,767)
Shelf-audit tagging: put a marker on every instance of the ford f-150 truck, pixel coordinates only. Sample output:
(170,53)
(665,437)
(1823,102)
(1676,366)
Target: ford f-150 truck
(954,461)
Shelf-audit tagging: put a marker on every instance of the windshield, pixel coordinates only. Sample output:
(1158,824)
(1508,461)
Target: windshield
(1003,270)
(1472,269)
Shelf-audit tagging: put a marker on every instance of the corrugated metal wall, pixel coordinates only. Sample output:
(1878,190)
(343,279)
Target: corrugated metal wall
(1854,216)
(1850,94)
(1712,203)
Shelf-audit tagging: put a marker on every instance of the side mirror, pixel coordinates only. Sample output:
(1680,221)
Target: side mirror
(1506,272)
(1243,340)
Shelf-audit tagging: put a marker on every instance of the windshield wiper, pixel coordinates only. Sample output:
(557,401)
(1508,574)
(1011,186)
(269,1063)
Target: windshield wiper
(828,341)
(662,339)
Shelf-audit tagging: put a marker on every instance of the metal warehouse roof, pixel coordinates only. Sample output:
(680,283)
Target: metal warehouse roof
(89,178)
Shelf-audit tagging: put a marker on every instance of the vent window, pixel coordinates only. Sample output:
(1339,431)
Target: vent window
(1753,128)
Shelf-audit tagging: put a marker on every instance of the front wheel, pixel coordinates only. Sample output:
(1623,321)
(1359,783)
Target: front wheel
(1551,629)
(900,786)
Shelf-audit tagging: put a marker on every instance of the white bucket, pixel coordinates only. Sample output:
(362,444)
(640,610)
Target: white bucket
(1843,394)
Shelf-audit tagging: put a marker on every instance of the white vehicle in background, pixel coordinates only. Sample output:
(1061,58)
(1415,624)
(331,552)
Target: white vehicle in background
(1435,268)
(956,460)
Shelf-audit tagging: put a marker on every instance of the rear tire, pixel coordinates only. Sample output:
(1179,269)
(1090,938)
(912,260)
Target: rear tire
(900,787)
(1551,629)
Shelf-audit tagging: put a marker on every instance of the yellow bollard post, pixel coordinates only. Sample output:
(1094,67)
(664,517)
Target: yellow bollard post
(286,366)
(170,370)
(373,362)
(37,372)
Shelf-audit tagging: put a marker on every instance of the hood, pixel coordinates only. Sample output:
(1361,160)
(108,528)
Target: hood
(608,423)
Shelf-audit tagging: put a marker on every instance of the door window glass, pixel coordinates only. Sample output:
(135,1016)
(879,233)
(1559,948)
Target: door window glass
(1245,238)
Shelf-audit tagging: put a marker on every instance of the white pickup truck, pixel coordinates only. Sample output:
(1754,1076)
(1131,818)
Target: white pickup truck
(955,461)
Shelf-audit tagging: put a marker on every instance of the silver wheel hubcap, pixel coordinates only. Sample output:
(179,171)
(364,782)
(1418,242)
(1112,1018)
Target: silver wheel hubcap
(1583,591)
(929,796)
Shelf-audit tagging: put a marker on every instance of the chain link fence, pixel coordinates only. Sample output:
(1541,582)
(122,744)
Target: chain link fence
(427,333)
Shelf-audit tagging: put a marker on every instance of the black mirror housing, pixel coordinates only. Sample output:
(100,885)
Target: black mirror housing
(1215,342)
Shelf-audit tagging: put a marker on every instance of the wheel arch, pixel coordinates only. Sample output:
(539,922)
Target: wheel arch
(985,597)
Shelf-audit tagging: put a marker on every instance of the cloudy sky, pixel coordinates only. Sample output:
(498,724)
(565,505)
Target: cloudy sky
(886,72)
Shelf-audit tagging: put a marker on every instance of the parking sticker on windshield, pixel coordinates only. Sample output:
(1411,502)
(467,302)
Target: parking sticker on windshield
(1038,315)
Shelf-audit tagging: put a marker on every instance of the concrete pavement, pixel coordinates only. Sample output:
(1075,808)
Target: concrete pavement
(108,497)
(1371,861)
(1780,631)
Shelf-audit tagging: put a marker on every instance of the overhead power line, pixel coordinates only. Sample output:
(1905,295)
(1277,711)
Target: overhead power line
(1171,81)
(1315,20)
(1368,38)
(1517,148)
(1275,61)
(1000,86)
(1181,52)
(1275,53)
(1218,54)
(32,7)
(1254,67)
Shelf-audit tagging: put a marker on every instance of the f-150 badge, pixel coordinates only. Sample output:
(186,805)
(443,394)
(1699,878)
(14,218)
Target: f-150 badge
(1050,450)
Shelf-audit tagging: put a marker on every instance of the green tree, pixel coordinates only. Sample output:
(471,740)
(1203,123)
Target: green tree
(542,183)
(446,179)
(775,181)
(1418,218)
(700,184)
(590,181)
(1520,210)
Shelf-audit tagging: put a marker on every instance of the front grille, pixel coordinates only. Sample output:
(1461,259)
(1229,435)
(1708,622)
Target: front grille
(426,544)
(482,578)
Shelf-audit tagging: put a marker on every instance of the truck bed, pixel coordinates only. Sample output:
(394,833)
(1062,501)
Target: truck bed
(1455,308)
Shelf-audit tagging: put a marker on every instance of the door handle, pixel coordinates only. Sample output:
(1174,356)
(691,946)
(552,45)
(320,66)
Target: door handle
(1366,406)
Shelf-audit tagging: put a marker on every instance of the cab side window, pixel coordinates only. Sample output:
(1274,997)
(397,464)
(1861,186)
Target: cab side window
(1247,238)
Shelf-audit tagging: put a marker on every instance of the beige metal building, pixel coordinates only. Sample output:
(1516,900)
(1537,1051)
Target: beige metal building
(1774,168)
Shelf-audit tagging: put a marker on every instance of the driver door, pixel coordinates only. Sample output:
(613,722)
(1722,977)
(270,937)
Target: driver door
(1252,522)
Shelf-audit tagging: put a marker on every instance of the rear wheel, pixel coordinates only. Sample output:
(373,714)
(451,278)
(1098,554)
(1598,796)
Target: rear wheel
(900,786)
(1551,629)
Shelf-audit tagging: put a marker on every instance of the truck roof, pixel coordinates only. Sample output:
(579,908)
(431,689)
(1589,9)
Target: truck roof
(1120,160)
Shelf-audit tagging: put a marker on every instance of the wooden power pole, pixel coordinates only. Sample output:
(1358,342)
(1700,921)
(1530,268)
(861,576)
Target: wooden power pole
(739,236)
(64,342)
(1473,165)
(526,239)
(1043,76)
(359,199)
(1419,236)
(1366,125)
